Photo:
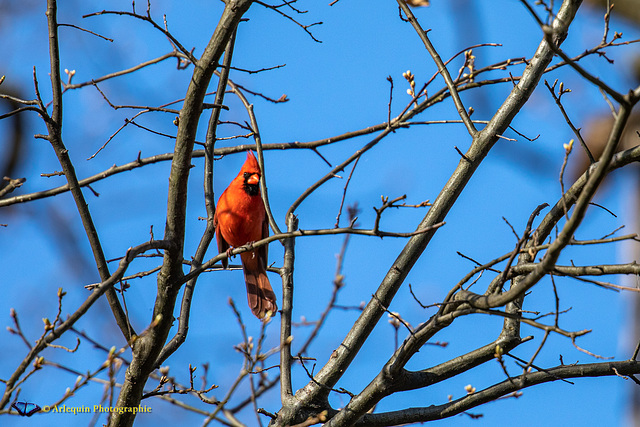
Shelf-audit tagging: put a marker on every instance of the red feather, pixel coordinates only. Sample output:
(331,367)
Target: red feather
(240,219)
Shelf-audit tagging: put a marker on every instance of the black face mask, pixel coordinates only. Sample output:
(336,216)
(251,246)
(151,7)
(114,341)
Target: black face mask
(251,189)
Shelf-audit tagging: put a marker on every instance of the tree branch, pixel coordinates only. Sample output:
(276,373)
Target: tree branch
(54,127)
(207,236)
(595,176)
(480,147)
(147,349)
(441,68)
(438,412)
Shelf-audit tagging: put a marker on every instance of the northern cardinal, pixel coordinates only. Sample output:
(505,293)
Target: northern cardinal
(240,218)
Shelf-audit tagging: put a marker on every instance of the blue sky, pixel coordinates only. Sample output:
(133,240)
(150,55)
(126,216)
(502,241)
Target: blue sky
(335,86)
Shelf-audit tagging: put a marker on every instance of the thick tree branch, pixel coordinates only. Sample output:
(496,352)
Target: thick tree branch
(147,348)
(480,147)
(438,412)
(419,379)
(207,236)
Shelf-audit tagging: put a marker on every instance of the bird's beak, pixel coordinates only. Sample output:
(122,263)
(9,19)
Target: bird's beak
(253,179)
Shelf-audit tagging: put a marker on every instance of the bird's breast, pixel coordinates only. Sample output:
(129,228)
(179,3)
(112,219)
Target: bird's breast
(241,220)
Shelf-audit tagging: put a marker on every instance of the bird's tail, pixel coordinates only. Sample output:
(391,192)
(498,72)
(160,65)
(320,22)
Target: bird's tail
(260,295)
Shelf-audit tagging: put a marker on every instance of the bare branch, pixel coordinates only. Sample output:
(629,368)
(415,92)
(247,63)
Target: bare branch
(441,68)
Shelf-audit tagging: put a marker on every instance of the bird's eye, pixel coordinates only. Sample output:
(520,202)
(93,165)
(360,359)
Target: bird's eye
(246,175)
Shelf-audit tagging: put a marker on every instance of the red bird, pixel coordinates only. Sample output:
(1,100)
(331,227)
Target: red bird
(240,218)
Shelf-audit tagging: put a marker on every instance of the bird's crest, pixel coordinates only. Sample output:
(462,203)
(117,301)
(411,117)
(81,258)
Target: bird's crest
(250,165)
